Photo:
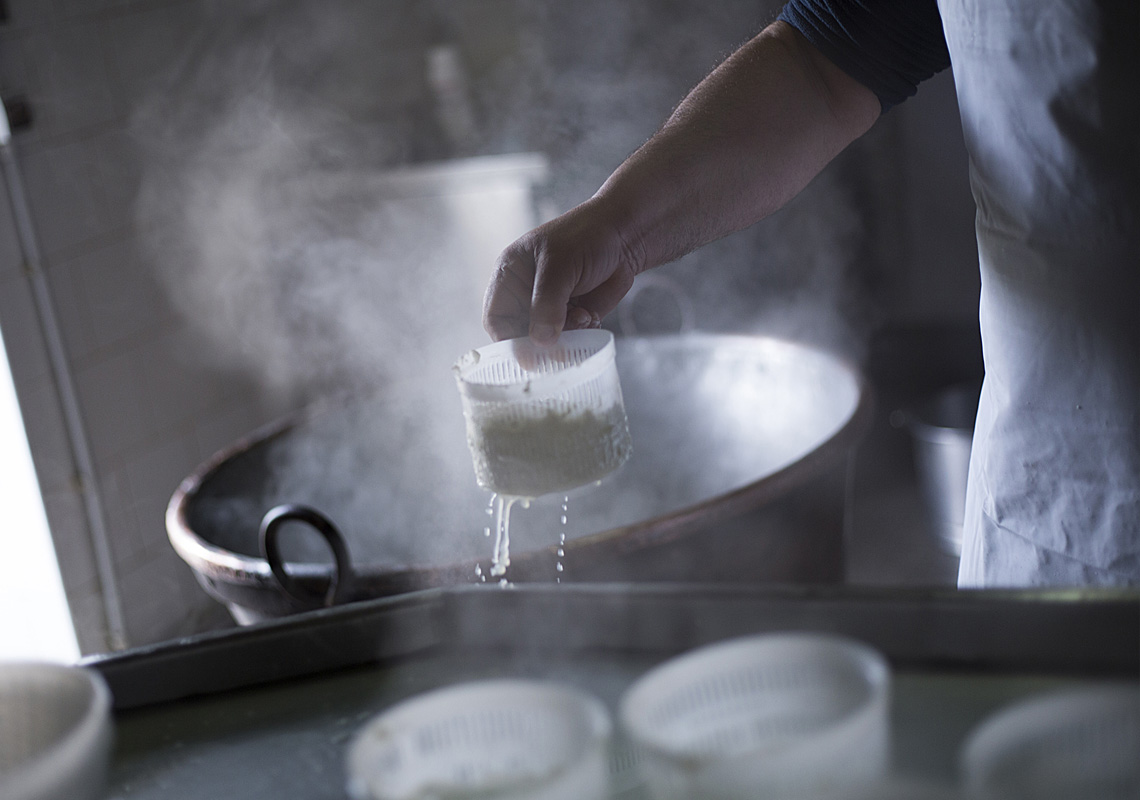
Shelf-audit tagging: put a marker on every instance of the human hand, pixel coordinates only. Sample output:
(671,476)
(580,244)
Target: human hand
(743,143)
(564,275)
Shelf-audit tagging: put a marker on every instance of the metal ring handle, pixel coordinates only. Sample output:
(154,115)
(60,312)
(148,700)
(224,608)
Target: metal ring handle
(342,569)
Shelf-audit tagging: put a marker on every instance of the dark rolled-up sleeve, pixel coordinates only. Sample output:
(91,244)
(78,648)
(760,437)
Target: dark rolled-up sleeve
(889,46)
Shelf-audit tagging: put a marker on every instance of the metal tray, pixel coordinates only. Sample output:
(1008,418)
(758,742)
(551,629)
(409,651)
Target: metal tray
(268,711)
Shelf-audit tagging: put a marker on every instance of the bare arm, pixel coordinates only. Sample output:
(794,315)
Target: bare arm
(743,143)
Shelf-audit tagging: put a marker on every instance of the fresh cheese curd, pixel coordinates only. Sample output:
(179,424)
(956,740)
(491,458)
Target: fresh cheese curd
(555,452)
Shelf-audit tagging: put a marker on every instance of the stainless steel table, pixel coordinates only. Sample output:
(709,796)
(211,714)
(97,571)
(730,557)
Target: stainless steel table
(268,711)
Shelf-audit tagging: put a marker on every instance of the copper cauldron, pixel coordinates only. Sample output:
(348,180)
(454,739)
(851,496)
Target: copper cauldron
(740,450)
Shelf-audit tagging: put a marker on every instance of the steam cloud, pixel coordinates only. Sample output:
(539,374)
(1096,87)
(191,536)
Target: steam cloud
(271,212)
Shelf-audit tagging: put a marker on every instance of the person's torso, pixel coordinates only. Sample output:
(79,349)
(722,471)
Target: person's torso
(1050,116)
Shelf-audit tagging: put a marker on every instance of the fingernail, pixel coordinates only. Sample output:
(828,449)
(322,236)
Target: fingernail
(542,332)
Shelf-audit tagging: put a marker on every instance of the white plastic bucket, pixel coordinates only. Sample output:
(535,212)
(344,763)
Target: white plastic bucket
(781,715)
(508,739)
(55,732)
(943,432)
(544,419)
(1073,745)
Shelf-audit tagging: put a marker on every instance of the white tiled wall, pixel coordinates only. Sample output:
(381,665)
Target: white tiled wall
(9,246)
(153,409)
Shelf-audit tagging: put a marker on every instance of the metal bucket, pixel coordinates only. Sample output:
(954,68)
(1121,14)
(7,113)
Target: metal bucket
(943,432)
(740,446)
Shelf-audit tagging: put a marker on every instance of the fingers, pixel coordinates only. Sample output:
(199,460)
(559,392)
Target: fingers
(556,280)
(578,318)
(530,291)
(603,299)
(567,274)
(506,304)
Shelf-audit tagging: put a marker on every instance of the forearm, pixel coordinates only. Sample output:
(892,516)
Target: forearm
(743,143)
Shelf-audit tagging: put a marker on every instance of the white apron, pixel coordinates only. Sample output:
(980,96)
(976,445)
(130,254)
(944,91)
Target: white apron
(1049,92)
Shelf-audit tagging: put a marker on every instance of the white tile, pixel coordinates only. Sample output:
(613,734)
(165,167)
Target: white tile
(127,544)
(152,478)
(159,596)
(69,533)
(27,12)
(237,418)
(117,294)
(70,304)
(358,76)
(11,256)
(117,174)
(178,385)
(73,8)
(67,78)
(147,594)
(47,435)
(90,620)
(111,396)
(14,83)
(23,342)
(13,73)
(145,44)
(66,202)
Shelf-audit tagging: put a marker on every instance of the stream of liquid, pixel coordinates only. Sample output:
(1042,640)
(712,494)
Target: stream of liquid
(501,556)
(499,508)
(561,540)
